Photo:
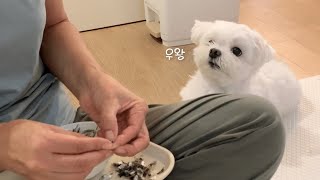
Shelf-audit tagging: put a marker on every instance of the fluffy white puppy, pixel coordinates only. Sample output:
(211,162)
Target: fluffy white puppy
(231,58)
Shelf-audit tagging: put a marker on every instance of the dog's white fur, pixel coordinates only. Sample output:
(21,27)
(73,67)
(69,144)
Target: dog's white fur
(255,72)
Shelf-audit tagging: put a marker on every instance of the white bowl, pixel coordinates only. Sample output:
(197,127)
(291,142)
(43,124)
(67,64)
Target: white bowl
(83,127)
(152,153)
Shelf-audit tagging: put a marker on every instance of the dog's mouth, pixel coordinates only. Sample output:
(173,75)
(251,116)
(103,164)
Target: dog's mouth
(214,65)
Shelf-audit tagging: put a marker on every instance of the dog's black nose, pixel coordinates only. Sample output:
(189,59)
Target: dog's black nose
(214,53)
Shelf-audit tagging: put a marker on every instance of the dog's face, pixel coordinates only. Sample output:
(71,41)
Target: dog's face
(228,52)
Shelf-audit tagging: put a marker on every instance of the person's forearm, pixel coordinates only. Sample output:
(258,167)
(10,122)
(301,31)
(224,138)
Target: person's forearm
(3,143)
(1,158)
(67,57)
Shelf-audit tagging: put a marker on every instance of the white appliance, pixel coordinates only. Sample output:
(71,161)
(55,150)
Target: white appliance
(172,20)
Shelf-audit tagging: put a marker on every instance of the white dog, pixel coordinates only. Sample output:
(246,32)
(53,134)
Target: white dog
(232,58)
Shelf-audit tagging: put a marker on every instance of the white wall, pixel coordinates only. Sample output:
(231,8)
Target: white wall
(92,14)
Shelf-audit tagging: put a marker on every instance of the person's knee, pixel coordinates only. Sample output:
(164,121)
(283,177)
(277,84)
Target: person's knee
(241,108)
(260,110)
(233,129)
(266,120)
(263,114)
(245,114)
(263,133)
(270,131)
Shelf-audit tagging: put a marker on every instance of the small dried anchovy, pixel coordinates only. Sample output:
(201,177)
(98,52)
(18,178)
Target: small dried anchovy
(161,171)
(135,170)
(76,129)
(88,133)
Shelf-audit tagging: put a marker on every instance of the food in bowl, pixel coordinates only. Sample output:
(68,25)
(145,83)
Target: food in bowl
(89,129)
(134,170)
(87,132)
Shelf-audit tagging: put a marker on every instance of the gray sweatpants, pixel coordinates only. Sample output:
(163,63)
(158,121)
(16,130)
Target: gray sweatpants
(219,137)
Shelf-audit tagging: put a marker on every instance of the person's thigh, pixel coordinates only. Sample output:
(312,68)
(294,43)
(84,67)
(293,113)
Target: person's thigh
(220,137)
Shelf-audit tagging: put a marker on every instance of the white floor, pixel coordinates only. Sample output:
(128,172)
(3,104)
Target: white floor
(302,156)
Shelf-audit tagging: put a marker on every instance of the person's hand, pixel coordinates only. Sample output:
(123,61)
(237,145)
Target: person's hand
(40,151)
(119,113)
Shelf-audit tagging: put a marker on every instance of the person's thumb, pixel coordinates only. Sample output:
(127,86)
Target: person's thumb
(109,126)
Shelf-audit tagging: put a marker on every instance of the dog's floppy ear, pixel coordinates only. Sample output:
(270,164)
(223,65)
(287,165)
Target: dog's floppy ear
(198,30)
(267,52)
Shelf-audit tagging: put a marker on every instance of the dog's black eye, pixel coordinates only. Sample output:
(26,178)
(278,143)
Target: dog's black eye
(236,51)
(211,41)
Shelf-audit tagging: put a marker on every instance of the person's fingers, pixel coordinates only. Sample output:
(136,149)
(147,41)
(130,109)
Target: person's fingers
(100,134)
(136,145)
(68,144)
(136,119)
(57,129)
(79,162)
(133,148)
(63,131)
(108,125)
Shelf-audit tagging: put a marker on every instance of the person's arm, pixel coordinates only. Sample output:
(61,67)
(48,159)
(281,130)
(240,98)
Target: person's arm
(64,52)
(2,156)
(119,113)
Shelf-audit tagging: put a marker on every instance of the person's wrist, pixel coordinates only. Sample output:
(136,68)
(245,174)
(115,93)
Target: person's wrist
(4,141)
(6,131)
(87,80)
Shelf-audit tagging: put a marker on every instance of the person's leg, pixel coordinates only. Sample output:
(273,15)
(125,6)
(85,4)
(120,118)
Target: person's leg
(220,137)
